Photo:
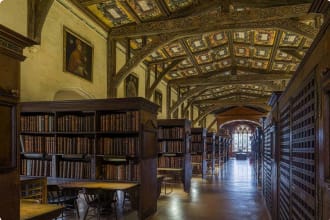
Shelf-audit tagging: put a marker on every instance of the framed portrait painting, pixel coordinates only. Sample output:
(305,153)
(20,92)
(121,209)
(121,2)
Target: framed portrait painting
(131,86)
(78,55)
(158,99)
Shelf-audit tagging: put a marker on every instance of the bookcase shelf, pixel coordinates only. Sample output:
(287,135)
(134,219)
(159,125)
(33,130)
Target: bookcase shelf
(210,152)
(103,139)
(198,151)
(174,147)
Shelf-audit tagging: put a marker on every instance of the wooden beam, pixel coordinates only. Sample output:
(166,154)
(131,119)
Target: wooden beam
(220,98)
(191,55)
(111,70)
(229,104)
(274,50)
(37,13)
(193,92)
(160,77)
(91,2)
(253,18)
(293,53)
(238,99)
(141,55)
(225,80)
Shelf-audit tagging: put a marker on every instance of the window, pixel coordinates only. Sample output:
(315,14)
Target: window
(241,137)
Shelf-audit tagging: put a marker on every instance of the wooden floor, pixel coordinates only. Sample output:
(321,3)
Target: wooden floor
(231,195)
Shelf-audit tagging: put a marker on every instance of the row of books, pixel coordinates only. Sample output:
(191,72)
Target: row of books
(35,167)
(74,169)
(209,156)
(75,123)
(196,138)
(35,144)
(119,146)
(130,172)
(172,162)
(120,122)
(37,123)
(196,158)
(171,147)
(209,148)
(209,140)
(197,147)
(171,133)
(72,145)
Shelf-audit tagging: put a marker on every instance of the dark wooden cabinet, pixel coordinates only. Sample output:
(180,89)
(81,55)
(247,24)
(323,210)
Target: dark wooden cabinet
(105,139)
(174,149)
(11,50)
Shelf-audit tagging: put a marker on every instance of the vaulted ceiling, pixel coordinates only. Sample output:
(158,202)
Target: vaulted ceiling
(219,54)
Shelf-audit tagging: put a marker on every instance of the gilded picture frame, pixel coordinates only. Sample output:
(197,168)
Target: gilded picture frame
(77,55)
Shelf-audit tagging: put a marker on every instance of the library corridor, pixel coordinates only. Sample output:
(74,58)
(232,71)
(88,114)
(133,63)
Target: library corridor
(231,195)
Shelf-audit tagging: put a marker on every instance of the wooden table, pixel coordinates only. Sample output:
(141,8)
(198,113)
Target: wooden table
(35,211)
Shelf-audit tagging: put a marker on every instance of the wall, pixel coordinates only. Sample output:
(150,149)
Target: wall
(42,73)
(13,14)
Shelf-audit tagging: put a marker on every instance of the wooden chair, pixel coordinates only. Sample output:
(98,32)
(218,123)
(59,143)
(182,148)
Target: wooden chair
(101,201)
(66,197)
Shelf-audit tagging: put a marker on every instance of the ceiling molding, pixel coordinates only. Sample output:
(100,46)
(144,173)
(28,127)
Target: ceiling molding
(254,17)
(231,79)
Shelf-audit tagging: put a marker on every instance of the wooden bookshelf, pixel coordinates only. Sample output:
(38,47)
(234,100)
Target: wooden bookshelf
(198,151)
(217,159)
(104,139)
(210,152)
(174,148)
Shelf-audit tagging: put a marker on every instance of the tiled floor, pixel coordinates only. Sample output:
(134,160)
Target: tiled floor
(231,195)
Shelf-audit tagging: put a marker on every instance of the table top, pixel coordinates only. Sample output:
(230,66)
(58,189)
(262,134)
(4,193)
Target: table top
(99,185)
(170,169)
(32,210)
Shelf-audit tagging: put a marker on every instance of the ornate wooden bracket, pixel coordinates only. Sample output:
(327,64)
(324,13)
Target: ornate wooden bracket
(160,77)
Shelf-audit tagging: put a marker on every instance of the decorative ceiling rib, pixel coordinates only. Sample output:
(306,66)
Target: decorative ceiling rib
(218,53)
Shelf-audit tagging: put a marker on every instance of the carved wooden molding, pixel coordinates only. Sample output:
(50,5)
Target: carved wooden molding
(12,43)
(237,98)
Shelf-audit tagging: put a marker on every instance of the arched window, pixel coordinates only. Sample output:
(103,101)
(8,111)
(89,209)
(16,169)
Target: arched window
(241,137)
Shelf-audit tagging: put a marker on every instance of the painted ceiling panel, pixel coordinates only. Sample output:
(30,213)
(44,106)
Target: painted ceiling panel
(217,38)
(221,52)
(241,36)
(176,5)
(264,37)
(157,55)
(290,39)
(242,51)
(224,63)
(197,44)
(175,49)
(185,63)
(243,62)
(208,68)
(262,52)
(204,58)
(259,64)
(281,66)
(111,13)
(146,10)
(280,55)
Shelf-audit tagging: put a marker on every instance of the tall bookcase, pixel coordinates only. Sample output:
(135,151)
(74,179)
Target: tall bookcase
(210,152)
(174,148)
(104,139)
(198,151)
(217,159)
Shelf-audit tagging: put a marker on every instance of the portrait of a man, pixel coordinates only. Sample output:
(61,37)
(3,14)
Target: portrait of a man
(78,55)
